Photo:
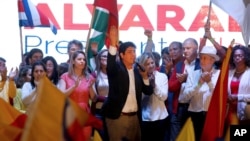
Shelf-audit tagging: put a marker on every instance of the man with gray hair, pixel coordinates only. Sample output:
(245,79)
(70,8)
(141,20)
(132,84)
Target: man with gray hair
(199,88)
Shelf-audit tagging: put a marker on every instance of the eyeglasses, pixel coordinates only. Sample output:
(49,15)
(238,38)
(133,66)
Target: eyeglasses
(104,56)
(238,55)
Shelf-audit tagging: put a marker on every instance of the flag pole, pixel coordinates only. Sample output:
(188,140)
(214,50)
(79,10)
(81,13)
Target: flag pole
(223,73)
(88,36)
(209,11)
(21,43)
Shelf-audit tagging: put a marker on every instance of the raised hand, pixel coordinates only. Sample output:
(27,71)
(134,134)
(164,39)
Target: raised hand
(168,64)
(13,73)
(148,33)
(94,47)
(207,31)
(152,80)
(207,26)
(113,36)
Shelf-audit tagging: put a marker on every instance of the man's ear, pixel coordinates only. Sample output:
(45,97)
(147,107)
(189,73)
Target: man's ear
(121,55)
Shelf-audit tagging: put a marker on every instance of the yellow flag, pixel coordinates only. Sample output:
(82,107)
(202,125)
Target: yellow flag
(51,114)
(234,121)
(97,136)
(8,116)
(10,113)
(187,132)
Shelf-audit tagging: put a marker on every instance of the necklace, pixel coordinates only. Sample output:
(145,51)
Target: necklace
(239,72)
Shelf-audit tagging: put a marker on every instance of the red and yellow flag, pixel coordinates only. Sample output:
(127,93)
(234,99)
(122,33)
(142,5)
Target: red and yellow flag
(11,122)
(215,119)
(56,117)
(187,132)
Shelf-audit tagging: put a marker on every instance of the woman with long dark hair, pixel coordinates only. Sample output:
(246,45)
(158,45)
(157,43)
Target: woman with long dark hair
(38,71)
(51,66)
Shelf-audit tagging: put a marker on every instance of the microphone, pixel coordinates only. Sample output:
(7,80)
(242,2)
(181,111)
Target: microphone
(140,67)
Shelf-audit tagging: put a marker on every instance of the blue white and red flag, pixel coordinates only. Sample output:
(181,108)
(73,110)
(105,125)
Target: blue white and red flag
(31,16)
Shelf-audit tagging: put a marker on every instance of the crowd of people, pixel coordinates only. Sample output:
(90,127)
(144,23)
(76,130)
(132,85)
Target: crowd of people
(146,97)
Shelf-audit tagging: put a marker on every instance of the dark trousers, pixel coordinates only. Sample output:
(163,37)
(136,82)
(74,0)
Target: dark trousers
(153,130)
(198,119)
(183,113)
(103,133)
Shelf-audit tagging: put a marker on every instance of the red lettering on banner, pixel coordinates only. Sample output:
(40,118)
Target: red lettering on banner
(90,7)
(201,18)
(162,20)
(68,19)
(136,11)
(46,10)
(233,26)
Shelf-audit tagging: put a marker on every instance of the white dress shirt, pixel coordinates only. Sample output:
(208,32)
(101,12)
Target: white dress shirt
(199,95)
(131,102)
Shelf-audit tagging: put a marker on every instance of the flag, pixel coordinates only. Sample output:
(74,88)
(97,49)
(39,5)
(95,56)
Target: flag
(11,122)
(31,16)
(216,114)
(53,116)
(97,136)
(187,132)
(239,10)
(234,121)
(104,16)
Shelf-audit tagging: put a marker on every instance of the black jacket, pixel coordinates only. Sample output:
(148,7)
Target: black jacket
(118,79)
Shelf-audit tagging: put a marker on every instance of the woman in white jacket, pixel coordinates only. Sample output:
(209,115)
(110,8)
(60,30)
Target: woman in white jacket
(154,111)
(239,84)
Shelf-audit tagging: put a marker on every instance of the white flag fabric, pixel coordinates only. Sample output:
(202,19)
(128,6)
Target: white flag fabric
(239,10)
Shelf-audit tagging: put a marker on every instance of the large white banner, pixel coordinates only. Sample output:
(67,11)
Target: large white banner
(170,21)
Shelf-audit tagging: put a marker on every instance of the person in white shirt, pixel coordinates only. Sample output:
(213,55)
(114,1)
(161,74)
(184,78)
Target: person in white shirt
(199,88)
(122,109)
(28,91)
(238,86)
(154,111)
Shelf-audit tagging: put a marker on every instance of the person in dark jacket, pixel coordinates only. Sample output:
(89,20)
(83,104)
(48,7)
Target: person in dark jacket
(122,109)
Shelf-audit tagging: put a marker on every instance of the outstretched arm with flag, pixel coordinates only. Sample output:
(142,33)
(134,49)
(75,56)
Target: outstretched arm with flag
(104,16)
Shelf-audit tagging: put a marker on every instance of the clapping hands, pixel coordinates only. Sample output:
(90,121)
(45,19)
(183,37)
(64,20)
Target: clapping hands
(206,76)
(13,73)
(181,77)
(152,80)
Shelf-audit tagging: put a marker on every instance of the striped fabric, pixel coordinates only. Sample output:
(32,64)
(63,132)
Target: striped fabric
(31,16)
